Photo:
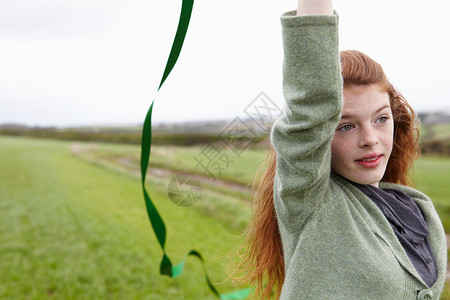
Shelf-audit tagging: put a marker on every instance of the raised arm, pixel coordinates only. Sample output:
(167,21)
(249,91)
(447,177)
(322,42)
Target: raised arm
(312,88)
(314,7)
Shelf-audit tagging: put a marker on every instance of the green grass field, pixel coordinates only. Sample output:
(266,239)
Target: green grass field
(73,230)
(74,225)
(436,131)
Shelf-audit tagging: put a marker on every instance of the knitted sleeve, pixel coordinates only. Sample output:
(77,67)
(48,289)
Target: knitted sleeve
(312,87)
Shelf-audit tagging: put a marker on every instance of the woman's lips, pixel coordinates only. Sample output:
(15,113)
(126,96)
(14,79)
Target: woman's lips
(369,161)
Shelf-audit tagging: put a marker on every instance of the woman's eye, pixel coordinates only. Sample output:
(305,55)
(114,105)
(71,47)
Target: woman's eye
(346,127)
(382,119)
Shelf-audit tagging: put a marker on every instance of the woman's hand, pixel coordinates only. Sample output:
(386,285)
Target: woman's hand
(314,7)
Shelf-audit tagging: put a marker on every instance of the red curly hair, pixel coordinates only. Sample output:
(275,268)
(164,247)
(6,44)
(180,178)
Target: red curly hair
(262,254)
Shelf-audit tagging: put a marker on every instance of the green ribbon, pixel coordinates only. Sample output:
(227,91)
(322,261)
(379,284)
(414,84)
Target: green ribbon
(157,223)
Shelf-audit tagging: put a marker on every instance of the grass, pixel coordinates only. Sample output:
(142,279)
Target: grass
(231,207)
(72,229)
(441,131)
(434,131)
(432,177)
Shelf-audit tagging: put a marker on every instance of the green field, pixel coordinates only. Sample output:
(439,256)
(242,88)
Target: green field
(435,131)
(73,230)
(74,226)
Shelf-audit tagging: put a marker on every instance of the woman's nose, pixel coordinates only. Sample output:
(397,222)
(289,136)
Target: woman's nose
(368,137)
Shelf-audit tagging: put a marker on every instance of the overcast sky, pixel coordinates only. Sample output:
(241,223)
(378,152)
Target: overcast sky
(86,62)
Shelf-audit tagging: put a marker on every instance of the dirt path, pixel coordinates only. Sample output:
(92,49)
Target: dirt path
(161,173)
(127,165)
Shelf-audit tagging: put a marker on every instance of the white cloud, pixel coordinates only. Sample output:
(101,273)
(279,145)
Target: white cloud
(50,18)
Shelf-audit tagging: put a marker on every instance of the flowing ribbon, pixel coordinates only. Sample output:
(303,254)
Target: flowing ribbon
(157,223)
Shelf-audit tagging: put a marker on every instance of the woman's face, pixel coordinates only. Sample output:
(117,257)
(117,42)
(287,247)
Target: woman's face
(362,142)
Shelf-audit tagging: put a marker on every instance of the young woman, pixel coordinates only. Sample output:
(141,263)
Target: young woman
(335,218)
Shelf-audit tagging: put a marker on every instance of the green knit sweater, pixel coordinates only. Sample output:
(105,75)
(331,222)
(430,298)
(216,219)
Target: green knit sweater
(337,243)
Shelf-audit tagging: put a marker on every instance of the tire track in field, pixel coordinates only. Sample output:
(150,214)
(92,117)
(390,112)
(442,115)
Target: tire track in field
(127,165)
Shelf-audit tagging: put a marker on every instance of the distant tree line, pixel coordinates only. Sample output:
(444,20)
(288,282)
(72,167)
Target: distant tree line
(440,147)
(118,136)
(428,143)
